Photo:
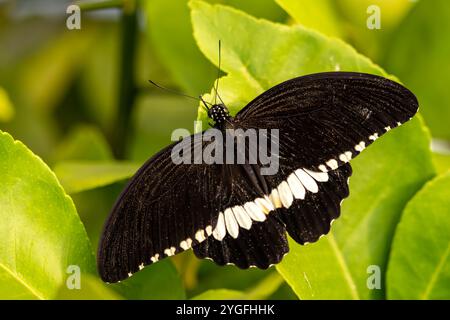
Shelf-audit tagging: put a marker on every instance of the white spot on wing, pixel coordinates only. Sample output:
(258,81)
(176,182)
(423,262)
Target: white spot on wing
(332,164)
(220,230)
(242,218)
(285,193)
(170,251)
(361,146)
(155,258)
(275,198)
(323,168)
(343,158)
(318,176)
(265,204)
(296,186)
(200,235)
(254,211)
(308,182)
(184,245)
(231,223)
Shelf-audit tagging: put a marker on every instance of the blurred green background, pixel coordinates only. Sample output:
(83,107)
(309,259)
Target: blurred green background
(77,97)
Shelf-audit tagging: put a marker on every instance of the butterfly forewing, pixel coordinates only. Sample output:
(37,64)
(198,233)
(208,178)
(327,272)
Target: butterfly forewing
(167,208)
(327,119)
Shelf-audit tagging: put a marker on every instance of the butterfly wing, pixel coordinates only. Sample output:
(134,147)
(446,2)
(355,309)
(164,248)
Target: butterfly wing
(326,119)
(167,208)
(308,219)
(265,244)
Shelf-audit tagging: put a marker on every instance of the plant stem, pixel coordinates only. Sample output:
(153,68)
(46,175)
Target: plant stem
(127,87)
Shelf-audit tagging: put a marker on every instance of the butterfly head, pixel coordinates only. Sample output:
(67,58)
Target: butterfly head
(218,113)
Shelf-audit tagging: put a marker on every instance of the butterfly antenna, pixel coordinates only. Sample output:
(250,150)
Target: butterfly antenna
(216,87)
(175,91)
(204,102)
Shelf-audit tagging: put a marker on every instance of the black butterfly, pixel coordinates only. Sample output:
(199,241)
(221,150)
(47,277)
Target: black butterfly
(232,213)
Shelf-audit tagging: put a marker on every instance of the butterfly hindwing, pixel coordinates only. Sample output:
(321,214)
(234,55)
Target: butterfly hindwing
(308,219)
(263,245)
(326,119)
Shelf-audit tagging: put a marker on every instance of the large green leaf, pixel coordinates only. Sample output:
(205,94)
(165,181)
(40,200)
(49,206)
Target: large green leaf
(385,176)
(262,290)
(419,265)
(427,71)
(175,47)
(40,231)
(221,294)
(77,176)
(159,281)
(91,288)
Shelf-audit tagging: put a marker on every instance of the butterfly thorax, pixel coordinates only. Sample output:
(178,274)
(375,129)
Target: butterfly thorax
(219,114)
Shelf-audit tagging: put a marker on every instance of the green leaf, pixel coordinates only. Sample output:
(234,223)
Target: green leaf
(91,288)
(41,233)
(6,108)
(419,265)
(427,71)
(319,15)
(77,176)
(385,176)
(83,143)
(441,162)
(178,52)
(266,9)
(253,64)
(262,290)
(159,281)
(220,294)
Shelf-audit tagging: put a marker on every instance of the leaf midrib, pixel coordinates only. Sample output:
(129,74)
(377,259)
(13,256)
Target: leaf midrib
(434,276)
(22,282)
(344,267)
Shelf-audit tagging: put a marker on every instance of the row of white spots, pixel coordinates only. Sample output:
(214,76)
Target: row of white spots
(241,216)
(294,187)
(346,156)
(360,146)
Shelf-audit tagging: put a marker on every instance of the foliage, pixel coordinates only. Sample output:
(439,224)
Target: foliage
(59,95)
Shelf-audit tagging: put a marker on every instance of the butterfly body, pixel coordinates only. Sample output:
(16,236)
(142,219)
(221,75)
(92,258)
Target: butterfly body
(219,114)
(239,213)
